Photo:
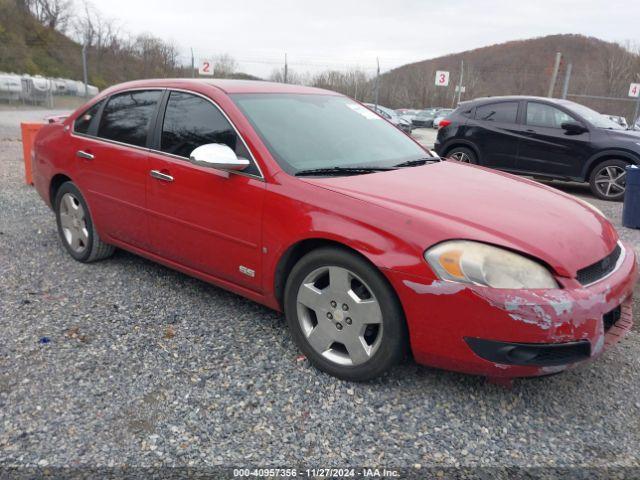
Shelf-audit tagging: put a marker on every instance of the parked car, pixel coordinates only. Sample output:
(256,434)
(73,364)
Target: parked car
(542,137)
(619,120)
(441,115)
(309,203)
(424,118)
(407,114)
(391,116)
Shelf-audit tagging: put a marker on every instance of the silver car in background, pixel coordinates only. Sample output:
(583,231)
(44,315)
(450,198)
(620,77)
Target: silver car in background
(441,115)
(392,116)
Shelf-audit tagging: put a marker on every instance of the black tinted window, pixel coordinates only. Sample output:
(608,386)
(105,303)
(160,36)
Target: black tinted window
(191,121)
(504,112)
(541,115)
(83,122)
(127,116)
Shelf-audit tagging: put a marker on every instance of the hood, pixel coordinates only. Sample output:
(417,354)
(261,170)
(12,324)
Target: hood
(457,201)
(629,135)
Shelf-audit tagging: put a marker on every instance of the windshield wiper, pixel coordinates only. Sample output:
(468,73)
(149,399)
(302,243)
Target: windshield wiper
(342,170)
(418,162)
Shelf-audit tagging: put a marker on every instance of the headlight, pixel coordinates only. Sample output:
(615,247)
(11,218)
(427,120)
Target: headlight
(480,264)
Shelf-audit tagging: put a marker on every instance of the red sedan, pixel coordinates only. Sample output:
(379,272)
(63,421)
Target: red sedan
(308,202)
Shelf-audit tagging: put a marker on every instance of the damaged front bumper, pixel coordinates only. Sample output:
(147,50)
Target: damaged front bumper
(516,333)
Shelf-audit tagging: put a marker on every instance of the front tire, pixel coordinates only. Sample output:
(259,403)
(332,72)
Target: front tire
(343,315)
(75,226)
(608,180)
(463,155)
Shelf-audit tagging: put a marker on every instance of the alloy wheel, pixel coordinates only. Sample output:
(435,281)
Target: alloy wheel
(73,223)
(461,157)
(611,181)
(339,315)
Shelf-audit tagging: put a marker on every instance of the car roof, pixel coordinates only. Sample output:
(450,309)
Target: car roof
(504,98)
(226,85)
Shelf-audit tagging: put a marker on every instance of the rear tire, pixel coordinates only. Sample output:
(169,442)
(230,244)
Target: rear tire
(343,315)
(608,180)
(463,155)
(75,226)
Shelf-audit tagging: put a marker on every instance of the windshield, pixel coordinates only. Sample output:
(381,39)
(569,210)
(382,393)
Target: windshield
(305,132)
(596,119)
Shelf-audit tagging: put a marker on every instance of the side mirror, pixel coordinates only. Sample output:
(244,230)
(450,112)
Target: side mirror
(218,155)
(573,128)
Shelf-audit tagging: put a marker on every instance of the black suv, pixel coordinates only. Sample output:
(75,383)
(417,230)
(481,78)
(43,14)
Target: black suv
(542,137)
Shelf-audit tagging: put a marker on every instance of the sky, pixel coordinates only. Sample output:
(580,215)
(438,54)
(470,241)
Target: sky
(321,34)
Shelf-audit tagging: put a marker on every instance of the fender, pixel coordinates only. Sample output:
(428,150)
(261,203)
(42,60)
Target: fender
(289,225)
(620,153)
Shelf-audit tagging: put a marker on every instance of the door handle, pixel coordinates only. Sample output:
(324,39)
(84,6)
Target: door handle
(161,176)
(85,155)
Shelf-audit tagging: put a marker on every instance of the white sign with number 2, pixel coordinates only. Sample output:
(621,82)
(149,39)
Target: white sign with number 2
(205,68)
(634,90)
(442,78)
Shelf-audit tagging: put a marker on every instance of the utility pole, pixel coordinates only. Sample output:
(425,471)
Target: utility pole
(377,82)
(286,68)
(193,65)
(567,79)
(460,81)
(554,75)
(84,70)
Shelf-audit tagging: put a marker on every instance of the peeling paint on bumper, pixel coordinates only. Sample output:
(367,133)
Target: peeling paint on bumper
(440,314)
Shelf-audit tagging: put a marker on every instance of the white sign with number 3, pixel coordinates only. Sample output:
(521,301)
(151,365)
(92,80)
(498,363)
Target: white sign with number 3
(206,68)
(442,78)
(634,90)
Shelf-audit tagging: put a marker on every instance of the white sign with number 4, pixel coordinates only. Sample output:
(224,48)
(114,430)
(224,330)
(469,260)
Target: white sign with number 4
(634,90)
(206,68)
(442,78)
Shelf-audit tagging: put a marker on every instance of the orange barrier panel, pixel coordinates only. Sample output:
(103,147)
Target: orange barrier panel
(29,131)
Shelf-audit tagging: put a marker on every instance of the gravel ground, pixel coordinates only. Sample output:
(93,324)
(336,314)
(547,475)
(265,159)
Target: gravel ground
(145,366)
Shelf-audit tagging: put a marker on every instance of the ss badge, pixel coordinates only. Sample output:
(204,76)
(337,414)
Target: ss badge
(247,271)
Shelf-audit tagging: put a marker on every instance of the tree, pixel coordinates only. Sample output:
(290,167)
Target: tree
(54,14)
(224,66)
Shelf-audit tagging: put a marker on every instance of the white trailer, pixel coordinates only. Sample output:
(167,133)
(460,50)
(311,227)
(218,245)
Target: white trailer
(36,89)
(10,87)
(59,86)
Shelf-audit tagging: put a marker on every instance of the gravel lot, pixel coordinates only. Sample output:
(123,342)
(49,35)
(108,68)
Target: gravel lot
(145,366)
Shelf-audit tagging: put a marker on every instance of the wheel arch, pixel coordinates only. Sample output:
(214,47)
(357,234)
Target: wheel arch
(296,251)
(461,143)
(54,185)
(600,157)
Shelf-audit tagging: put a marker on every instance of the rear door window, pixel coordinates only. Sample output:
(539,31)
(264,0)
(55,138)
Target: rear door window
(127,116)
(503,112)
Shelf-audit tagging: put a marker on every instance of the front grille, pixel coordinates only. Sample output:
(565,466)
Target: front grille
(611,318)
(601,269)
